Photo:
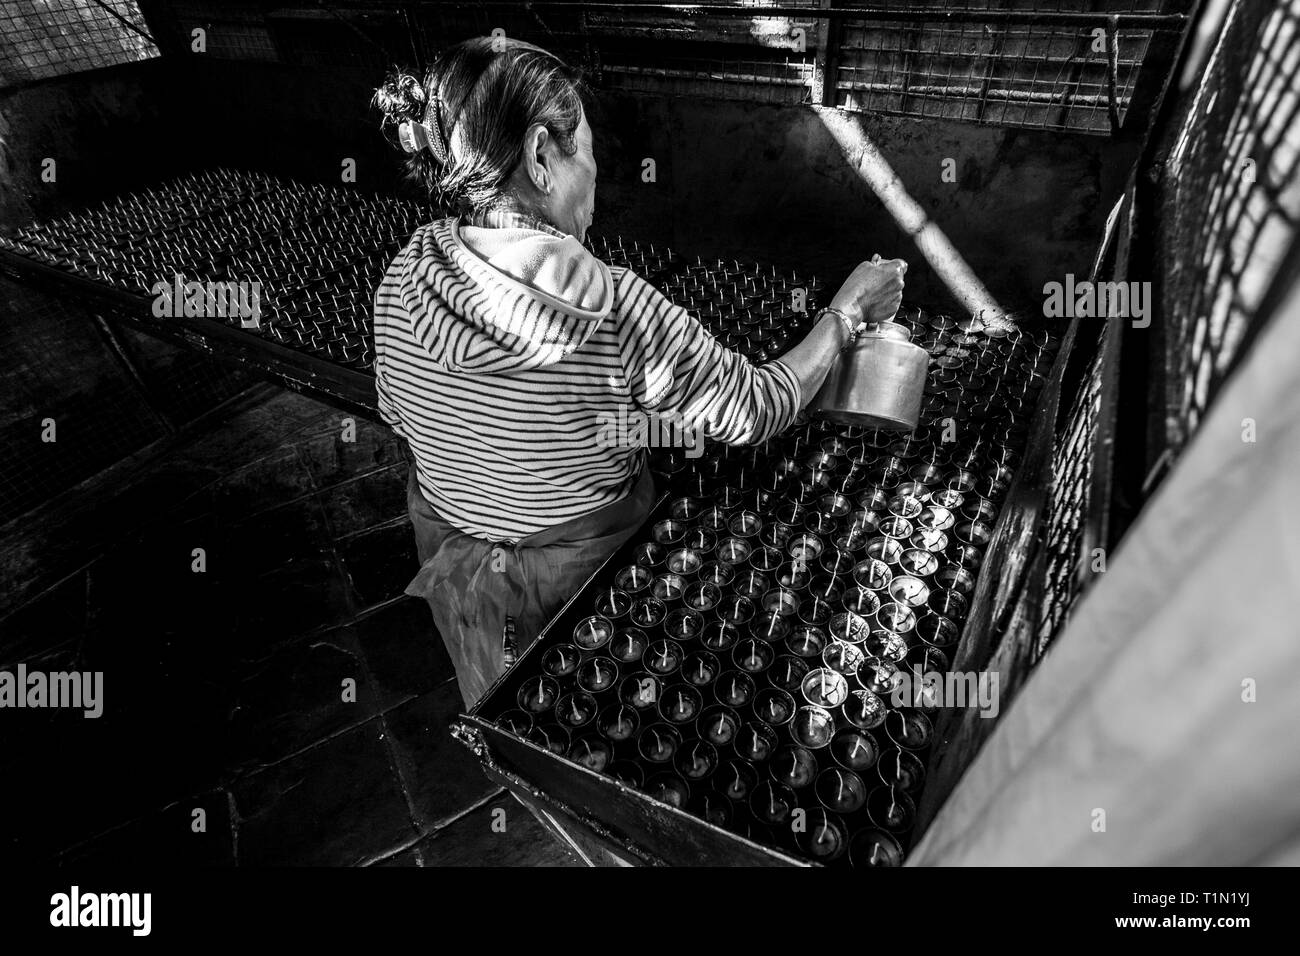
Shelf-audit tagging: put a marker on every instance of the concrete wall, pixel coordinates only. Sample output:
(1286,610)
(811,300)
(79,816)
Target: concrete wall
(733,179)
(772,183)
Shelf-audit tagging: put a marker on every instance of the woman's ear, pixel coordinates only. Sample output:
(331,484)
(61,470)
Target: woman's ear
(537,158)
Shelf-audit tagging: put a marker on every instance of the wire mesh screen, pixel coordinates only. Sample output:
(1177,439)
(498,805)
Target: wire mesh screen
(55,37)
(235,31)
(1068,505)
(1230,206)
(1044,75)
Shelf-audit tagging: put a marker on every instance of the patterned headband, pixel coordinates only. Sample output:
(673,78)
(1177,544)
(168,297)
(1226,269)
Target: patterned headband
(425,134)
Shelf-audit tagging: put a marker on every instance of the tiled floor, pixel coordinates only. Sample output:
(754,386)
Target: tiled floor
(230,732)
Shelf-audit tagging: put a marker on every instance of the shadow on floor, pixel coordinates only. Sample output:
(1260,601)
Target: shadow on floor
(270,697)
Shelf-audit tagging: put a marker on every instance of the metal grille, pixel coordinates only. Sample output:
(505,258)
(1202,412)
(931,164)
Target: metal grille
(1037,75)
(235,31)
(1068,505)
(1230,206)
(40,40)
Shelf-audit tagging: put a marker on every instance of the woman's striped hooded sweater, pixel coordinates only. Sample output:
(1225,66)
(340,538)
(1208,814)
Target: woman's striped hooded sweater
(504,352)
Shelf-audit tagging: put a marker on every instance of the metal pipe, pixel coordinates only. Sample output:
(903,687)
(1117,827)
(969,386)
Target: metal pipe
(885,14)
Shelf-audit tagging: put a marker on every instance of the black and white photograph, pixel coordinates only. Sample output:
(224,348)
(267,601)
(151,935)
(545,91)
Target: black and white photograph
(789,436)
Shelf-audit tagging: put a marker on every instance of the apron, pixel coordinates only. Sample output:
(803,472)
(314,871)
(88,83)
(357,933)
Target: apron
(473,585)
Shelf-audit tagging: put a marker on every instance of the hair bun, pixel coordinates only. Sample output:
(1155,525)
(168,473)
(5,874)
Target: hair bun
(400,98)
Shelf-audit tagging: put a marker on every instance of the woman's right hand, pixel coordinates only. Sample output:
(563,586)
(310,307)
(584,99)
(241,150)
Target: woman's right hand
(873,291)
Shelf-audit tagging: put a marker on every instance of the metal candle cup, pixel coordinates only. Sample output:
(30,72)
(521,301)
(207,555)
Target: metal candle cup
(854,749)
(874,847)
(812,727)
(843,658)
(745,524)
(948,603)
(718,725)
(668,788)
(873,574)
(736,779)
(561,660)
(781,601)
(628,645)
(685,508)
(772,802)
(733,550)
(618,722)
(633,579)
(770,627)
(823,837)
(814,610)
(861,601)
(804,548)
(537,695)
(613,603)
(901,768)
(668,587)
(736,610)
(591,752)
(890,808)
(597,674)
(640,691)
(720,635)
(864,710)
(937,631)
(715,572)
(734,689)
(848,627)
(684,624)
(909,729)
(515,721)
(752,585)
(927,659)
(767,558)
(700,668)
(648,612)
(953,577)
(806,641)
(793,767)
(680,703)
(663,658)
(824,687)
(628,772)
(696,760)
(917,562)
(713,808)
(668,531)
(830,586)
(793,574)
(887,550)
(753,656)
(658,743)
(839,790)
(576,710)
(553,737)
(786,673)
(755,741)
(774,706)
(879,677)
(895,617)
(888,645)
(593,633)
(683,561)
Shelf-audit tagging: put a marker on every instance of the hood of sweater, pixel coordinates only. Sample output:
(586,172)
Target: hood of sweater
(504,297)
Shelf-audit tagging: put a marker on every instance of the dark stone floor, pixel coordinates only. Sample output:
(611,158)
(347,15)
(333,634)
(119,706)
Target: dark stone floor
(224,690)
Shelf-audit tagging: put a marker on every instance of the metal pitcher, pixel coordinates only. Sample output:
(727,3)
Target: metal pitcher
(878,382)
